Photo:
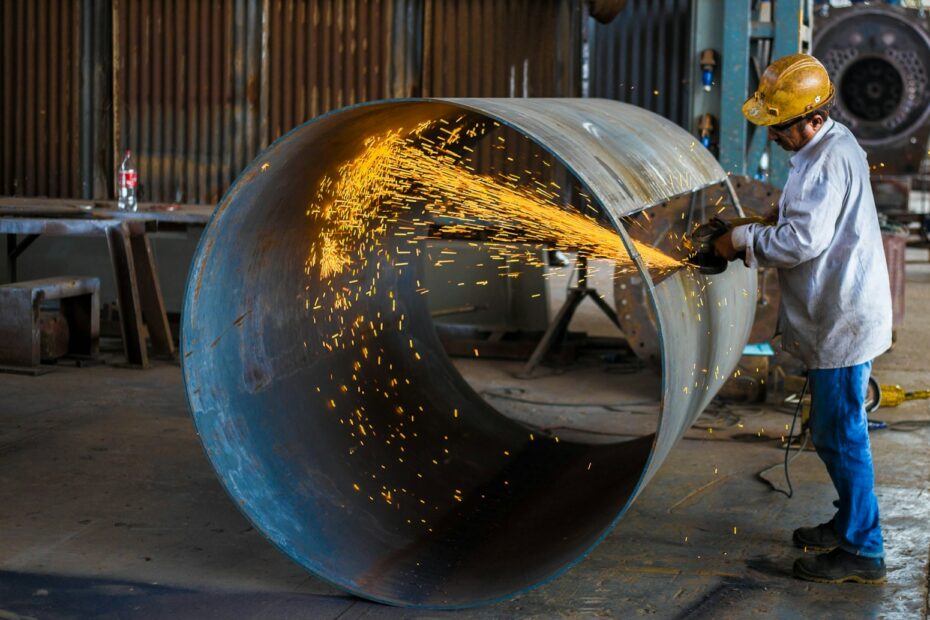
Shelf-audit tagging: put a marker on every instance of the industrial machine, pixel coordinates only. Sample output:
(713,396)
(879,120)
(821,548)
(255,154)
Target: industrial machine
(878,56)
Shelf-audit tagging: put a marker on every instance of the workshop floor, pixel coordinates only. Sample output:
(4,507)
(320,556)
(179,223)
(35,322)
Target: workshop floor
(109,509)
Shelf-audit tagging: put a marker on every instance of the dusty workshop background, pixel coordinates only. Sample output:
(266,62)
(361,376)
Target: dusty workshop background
(197,88)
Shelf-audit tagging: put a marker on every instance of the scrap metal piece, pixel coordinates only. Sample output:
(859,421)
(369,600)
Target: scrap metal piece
(372,462)
(25,341)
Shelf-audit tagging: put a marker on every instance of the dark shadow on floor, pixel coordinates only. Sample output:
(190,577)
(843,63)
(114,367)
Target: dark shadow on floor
(53,597)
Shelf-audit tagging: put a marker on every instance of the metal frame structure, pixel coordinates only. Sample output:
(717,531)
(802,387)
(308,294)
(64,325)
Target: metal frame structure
(748,36)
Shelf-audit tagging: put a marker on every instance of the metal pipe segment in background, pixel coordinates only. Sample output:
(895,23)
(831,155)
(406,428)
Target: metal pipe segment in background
(438,500)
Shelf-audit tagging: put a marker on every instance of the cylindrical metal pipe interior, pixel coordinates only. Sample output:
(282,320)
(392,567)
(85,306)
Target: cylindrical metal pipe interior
(323,394)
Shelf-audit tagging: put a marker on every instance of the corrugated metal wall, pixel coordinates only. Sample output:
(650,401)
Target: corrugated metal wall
(199,87)
(326,54)
(203,86)
(473,48)
(643,57)
(486,48)
(236,74)
(186,85)
(39,105)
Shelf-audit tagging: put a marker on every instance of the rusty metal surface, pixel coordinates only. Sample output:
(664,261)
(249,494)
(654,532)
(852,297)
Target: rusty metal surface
(24,339)
(326,54)
(53,336)
(472,49)
(631,294)
(202,87)
(199,88)
(267,394)
(186,94)
(40,98)
(642,57)
(475,49)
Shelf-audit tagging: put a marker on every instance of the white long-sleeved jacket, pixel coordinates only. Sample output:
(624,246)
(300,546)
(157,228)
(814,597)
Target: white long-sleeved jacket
(835,296)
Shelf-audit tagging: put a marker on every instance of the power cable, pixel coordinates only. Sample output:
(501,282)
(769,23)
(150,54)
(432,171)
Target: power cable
(761,475)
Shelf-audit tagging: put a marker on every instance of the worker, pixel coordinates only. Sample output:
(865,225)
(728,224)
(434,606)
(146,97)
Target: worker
(835,313)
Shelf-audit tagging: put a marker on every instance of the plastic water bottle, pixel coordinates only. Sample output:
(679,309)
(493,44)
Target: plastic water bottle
(126,181)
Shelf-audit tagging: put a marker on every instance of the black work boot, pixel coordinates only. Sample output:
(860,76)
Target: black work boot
(819,539)
(839,566)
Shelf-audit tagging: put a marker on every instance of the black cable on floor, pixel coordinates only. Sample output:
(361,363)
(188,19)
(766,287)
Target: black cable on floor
(908,426)
(761,475)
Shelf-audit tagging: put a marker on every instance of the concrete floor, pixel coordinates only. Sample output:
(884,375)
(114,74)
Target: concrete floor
(109,509)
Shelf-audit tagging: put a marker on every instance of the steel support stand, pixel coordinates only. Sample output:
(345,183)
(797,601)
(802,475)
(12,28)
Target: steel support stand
(555,333)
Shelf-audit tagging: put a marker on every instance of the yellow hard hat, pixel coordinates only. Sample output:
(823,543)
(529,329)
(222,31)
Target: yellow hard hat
(789,88)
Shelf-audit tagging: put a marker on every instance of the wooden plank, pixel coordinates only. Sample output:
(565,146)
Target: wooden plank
(127,289)
(152,303)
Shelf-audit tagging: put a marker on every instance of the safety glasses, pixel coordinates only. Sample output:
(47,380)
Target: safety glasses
(783,127)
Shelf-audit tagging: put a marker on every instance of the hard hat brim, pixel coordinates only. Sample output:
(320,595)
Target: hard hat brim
(755,112)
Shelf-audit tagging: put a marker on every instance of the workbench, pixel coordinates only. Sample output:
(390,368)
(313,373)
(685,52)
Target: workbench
(139,296)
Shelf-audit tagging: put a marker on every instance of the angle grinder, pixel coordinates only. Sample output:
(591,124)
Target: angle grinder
(703,257)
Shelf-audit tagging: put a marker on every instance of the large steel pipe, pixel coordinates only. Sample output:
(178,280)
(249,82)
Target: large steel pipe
(364,455)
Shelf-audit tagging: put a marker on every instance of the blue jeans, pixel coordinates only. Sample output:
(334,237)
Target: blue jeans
(840,430)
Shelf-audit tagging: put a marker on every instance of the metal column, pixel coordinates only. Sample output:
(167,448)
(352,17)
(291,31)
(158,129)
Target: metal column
(748,42)
(734,85)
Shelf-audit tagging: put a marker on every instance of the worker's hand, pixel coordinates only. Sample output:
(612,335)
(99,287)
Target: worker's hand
(723,246)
